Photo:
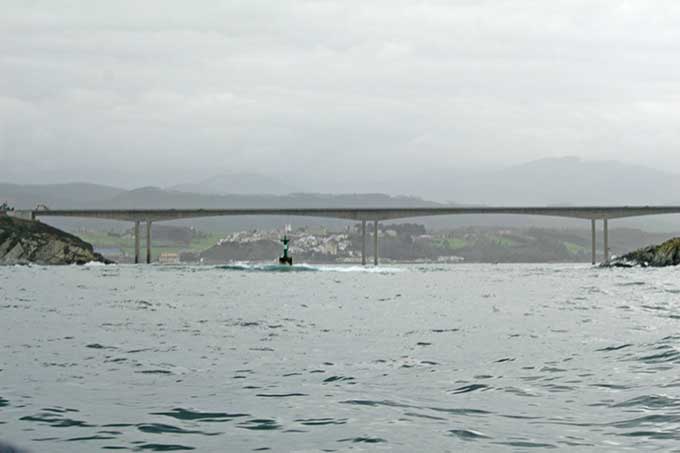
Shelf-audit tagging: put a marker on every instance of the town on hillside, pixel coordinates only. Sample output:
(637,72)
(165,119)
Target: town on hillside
(398,242)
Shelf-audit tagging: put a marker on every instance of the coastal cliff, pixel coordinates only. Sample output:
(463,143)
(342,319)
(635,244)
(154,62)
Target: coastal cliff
(665,254)
(26,241)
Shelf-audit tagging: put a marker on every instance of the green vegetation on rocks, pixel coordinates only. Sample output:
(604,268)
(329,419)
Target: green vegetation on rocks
(26,241)
(665,254)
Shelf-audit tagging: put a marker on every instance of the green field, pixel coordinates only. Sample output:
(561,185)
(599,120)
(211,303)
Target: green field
(503,241)
(455,243)
(574,249)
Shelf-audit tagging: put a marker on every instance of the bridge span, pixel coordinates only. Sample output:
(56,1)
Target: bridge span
(375,215)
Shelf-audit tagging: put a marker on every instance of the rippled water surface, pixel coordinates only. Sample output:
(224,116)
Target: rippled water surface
(408,358)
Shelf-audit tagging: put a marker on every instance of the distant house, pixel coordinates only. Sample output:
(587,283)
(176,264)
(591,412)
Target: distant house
(168,258)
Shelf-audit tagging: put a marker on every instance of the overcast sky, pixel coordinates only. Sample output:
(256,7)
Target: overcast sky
(148,92)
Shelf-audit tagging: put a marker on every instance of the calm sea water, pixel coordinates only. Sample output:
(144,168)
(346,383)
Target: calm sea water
(404,358)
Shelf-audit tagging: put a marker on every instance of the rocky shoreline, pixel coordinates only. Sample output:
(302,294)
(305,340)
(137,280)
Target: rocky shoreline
(665,254)
(27,241)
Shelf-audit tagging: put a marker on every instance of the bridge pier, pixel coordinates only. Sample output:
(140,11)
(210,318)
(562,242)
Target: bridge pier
(605,232)
(148,242)
(593,248)
(363,242)
(137,242)
(375,243)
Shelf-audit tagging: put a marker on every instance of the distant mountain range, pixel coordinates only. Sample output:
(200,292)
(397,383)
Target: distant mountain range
(559,181)
(78,195)
(70,195)
(567,180)
(237,183)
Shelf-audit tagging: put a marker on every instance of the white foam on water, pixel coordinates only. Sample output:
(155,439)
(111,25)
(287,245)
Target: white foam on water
(304,267)
(369,270)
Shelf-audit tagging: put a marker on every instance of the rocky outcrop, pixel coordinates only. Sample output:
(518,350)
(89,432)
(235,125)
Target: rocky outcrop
(666,254)
(26,241)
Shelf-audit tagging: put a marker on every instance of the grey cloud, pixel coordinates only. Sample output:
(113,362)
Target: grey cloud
(159,92)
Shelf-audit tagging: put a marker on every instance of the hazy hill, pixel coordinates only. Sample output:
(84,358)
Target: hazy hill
(567,180)
(238,183)
(573,181)
(547,181)
(69,195)
(153,197)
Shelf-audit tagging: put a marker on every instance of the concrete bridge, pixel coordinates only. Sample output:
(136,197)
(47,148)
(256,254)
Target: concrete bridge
(375,215)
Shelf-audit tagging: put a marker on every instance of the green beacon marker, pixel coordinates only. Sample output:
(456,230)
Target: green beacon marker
(285,259)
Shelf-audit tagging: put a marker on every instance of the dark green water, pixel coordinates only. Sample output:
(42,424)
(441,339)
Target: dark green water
(410,358)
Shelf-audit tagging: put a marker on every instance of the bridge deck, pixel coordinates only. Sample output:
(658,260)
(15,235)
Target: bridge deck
(155,215)
(361,214)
